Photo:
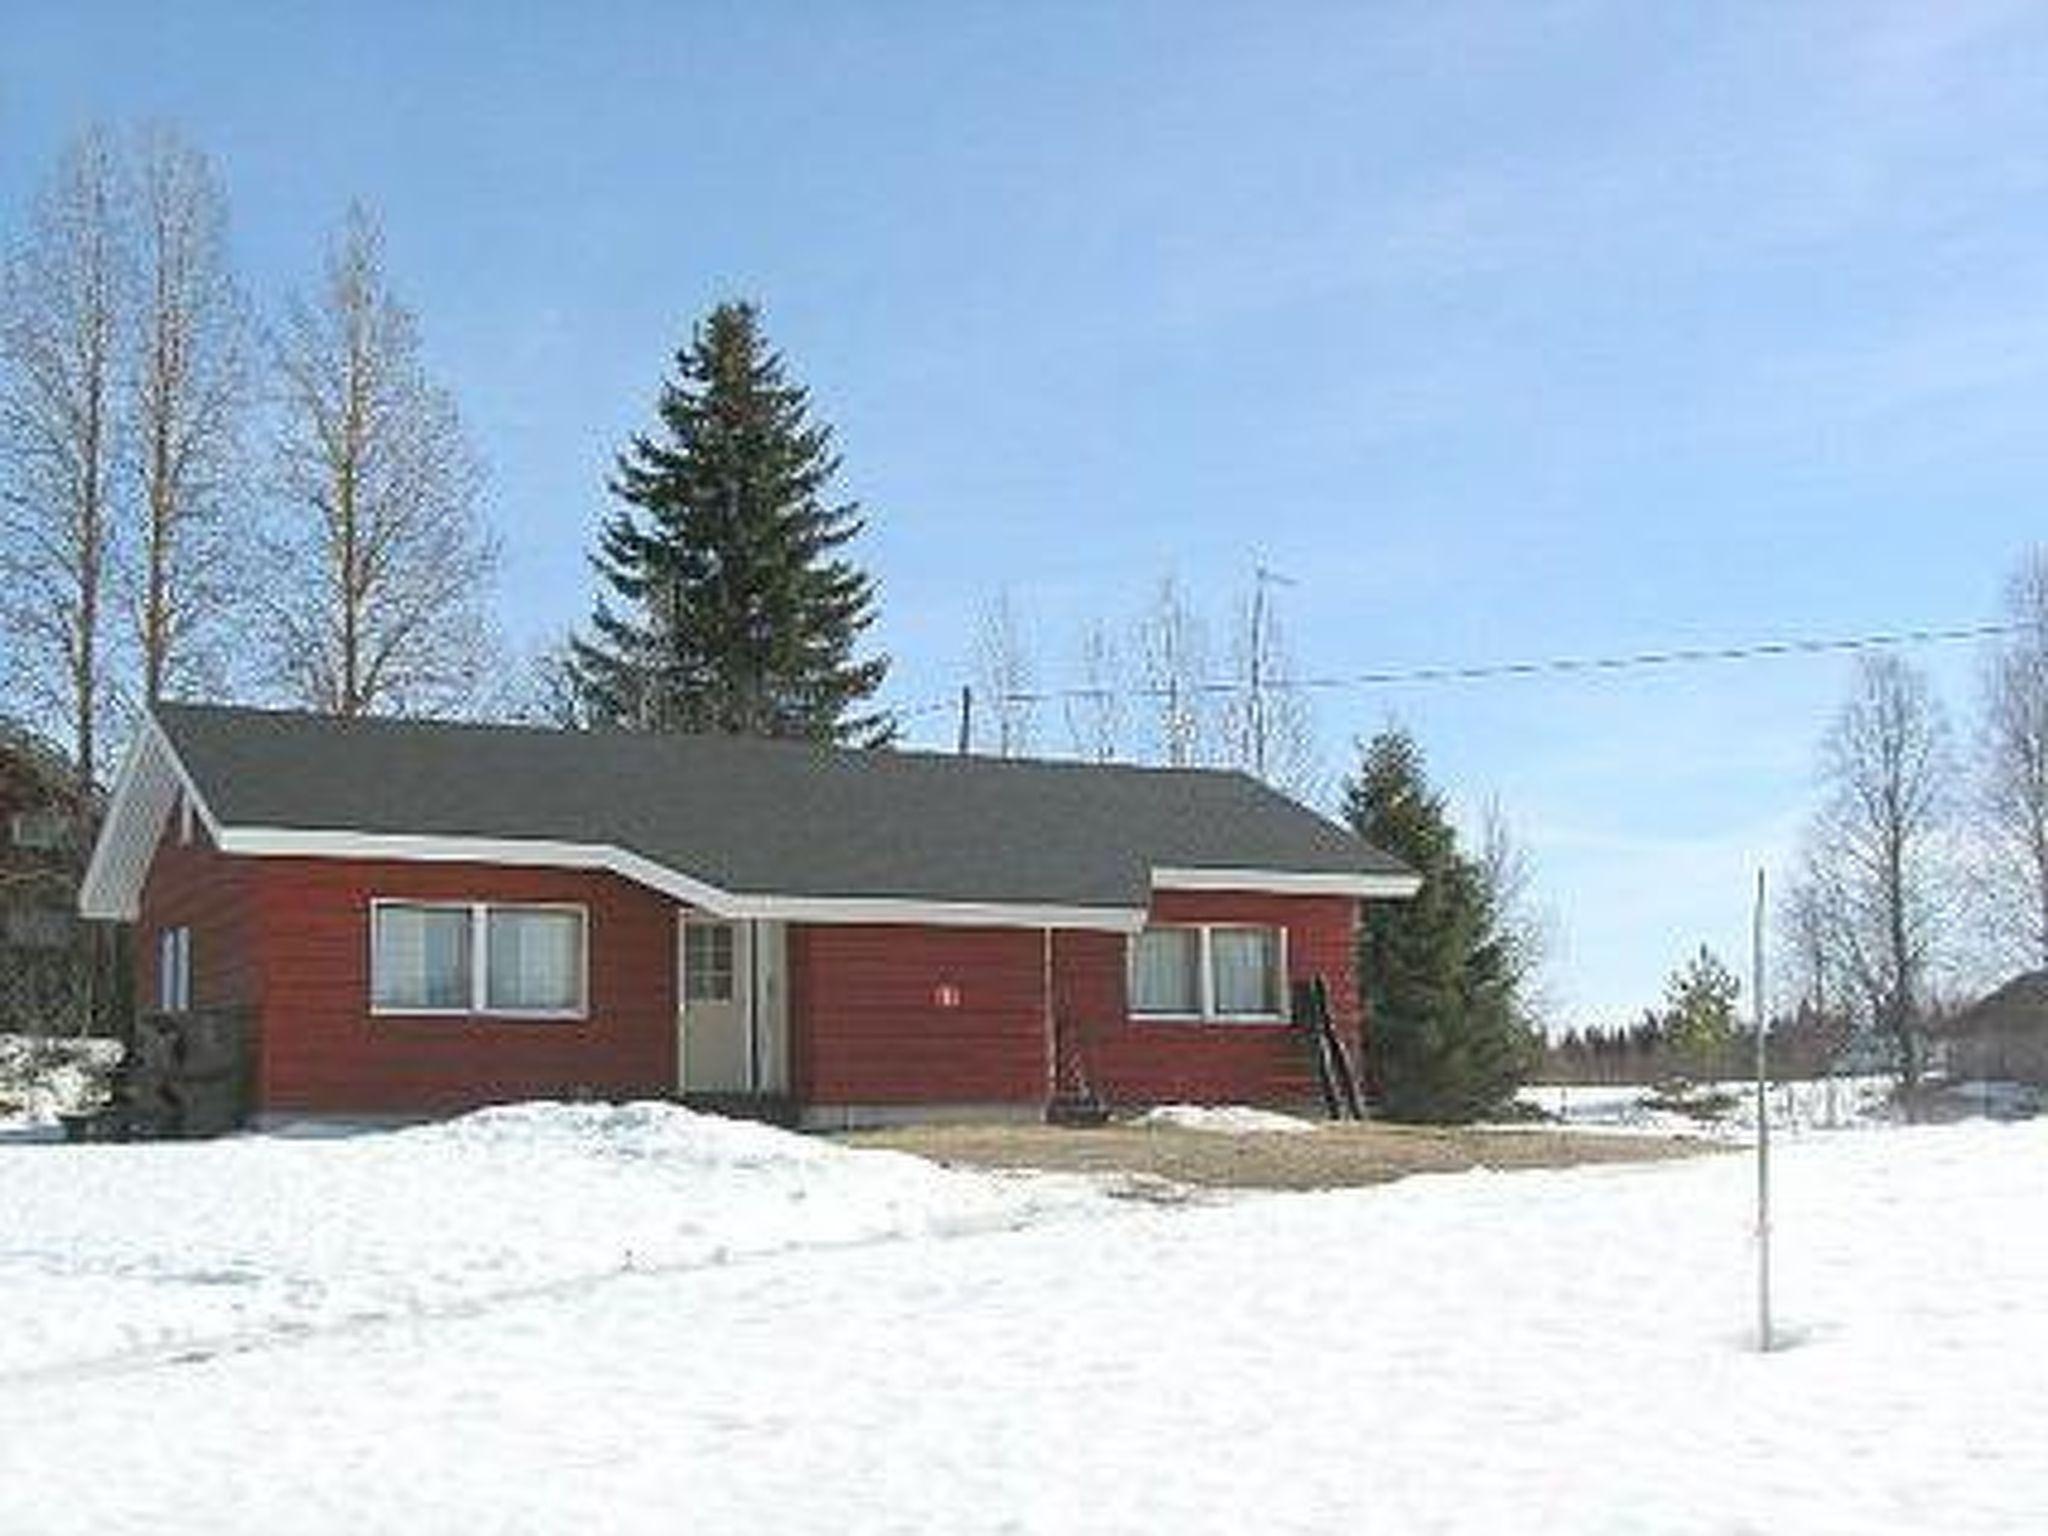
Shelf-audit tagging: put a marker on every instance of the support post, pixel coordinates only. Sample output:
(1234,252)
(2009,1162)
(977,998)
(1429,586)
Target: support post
(1763,1123)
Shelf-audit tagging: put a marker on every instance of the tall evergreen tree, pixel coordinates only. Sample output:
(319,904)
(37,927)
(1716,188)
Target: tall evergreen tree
(735,610)
(1446,1038)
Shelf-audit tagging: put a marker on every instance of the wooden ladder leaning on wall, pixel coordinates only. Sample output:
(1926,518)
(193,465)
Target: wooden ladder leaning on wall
(1335,1071)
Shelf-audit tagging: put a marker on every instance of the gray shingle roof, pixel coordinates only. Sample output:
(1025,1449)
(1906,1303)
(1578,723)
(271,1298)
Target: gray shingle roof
(755,817)
(2021,1004)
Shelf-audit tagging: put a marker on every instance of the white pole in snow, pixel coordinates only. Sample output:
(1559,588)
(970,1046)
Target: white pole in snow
(1763,1125)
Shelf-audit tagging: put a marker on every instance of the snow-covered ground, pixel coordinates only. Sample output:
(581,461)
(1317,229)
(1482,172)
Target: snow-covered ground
(106,1251)
(520,1323)
(1809,1104)
(1225,1120)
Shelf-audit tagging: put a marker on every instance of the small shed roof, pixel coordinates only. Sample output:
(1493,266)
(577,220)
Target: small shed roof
(2020,1005)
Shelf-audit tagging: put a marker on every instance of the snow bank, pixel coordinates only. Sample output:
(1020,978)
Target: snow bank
(109,1250)
(1223,1119)
(42,1077)
(1550,1351)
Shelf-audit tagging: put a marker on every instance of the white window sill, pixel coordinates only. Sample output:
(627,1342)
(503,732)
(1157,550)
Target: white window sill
(483,1015)
(1211,1018)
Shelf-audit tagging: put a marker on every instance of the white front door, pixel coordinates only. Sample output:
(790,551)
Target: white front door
(718,1045)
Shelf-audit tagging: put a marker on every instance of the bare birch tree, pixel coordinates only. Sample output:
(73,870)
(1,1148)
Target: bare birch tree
(1809,943)
(385,565)
(1095,712)
(1878,843)
(62,314)
(1173,658)
(2013,770)
(1005,675)
(1266,728)
(1525,929)
(189,391)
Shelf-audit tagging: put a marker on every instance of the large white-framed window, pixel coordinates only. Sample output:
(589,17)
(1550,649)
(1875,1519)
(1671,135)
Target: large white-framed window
(522,960)
(1226,973)
(1166,973)
(174,970)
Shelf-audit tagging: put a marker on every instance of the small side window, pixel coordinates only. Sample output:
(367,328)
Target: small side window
(174,970)
(38,928)
(40,829)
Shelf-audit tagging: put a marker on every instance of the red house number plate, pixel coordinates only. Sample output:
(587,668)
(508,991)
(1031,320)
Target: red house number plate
(946,995)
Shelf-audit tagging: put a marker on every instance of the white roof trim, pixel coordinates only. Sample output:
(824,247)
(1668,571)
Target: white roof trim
(292,842)
(307,843)
(1282,882)
(948,914)
(145,791)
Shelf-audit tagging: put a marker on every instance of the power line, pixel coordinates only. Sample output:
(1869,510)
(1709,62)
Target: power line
(1676,656)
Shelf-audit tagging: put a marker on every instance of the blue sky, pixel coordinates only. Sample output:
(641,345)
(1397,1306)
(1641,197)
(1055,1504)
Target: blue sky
(1512,330)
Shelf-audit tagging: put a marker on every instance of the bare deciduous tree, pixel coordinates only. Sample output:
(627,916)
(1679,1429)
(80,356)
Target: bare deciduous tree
(1266,728)
(546,690)
(1526,930)
(1095,714)
(1811,983)
(61,322)
(188,394)
(1877,846)
(1172,656)
(1005,677)
(382,603)
(2014,770)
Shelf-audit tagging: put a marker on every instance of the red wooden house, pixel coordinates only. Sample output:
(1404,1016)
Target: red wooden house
(422,917)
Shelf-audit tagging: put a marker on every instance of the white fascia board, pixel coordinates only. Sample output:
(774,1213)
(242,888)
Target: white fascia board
(294,842)
(408,847)
(944,914)
(95,901)
(1281,882)
(121,855)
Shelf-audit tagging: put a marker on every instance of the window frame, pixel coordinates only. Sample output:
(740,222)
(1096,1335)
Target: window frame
(174,969)
(480,959)
(1168,1015)
(1205,990)
(38,930)
(480,1006)
(40,828)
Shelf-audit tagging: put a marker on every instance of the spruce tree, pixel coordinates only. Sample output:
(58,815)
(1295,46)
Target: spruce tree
(1446,1041)
(1699,1013)
(735,611)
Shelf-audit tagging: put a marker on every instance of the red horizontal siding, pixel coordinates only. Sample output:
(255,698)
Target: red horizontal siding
(872,1025)
(1139,1061)
(191,885)
(325,1052)
(881,1015)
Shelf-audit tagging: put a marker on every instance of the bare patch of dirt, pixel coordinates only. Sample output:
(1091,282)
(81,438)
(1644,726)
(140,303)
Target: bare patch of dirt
(1332,1157)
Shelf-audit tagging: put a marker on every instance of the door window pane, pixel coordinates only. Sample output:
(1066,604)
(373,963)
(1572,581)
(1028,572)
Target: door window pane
(708,962)
(534,961)
(420,958)
(1247,965)
(1166,971)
